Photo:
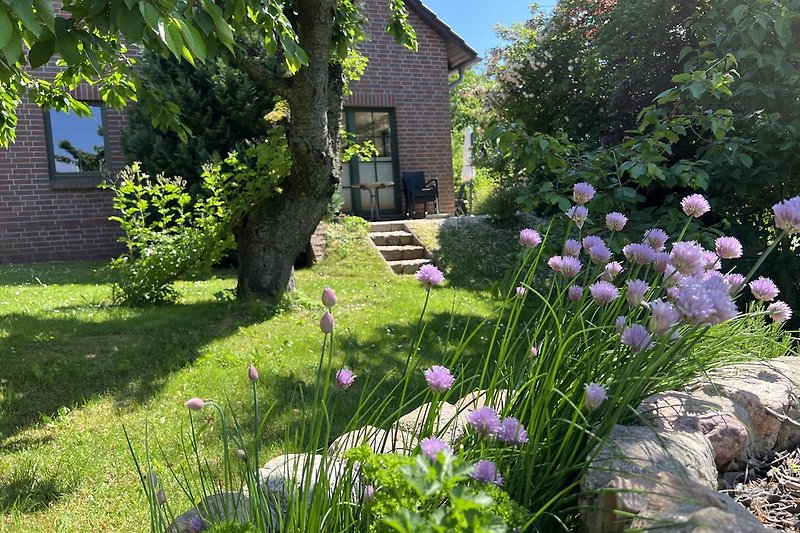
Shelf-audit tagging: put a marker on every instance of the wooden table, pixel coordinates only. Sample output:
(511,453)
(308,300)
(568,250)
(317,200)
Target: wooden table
(372,188)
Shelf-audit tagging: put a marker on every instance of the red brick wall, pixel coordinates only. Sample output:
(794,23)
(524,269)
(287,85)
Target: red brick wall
(415,85)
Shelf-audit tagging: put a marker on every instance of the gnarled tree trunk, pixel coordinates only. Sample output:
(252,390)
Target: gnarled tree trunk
(277,230)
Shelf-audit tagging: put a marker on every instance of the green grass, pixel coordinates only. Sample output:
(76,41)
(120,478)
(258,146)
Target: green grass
(74,370)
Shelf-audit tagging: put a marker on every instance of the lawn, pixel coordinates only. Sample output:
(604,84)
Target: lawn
(75,370)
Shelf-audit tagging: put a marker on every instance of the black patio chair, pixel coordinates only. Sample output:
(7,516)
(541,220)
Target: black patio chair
(418,190)
(461,201)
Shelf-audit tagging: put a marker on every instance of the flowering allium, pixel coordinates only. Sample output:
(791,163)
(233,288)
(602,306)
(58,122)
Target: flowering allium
(574,293)
(603,292)
(728,248)
(520,291)
(764,289)
(328,297)
(711,261)
(439,378)
(671,276)
(252,373)
(595,395)
(344,378)
(672,294)
(616,221)
(636,290)
(611,270)
(687,257)
(369,493)
(432,446)
(600,254)
(556,263)
(704,301)
(194,404)
(661,262)
(485,421)
(240,454)
(570,267)
(486,472)
(582,193)
(787,215)
(735,281)
(656,238)
(578,214)
(529,238)
(639,253)
(637,338)
(619,324)
(326,323)
(572,248)
(592,240)
(779,311)
(429,275)
(512,432)
(662,317)
(695,205)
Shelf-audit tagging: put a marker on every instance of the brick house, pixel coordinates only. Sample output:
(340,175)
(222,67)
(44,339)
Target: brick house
(51,208)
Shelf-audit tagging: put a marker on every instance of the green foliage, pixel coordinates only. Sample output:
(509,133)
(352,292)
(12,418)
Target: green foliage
(168,235)
(228,109)
(231,527)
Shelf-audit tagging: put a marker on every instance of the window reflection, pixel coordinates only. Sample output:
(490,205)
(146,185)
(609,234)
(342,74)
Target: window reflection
(76,143)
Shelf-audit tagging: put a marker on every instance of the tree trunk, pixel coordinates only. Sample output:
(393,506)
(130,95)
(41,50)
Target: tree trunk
(277,230)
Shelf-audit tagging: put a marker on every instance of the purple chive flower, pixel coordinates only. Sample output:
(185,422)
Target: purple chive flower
(429,276)
(687,257)
(252,373)
(735,281)
(639,253)
(194,404)
(728,248)
(591,241)
(704,301)
(556,263)
(570,267)
(485,421)
(672,294)
(578,214)
(695,205)
(572,248)
(661,262)
(439,378)
(344,378)
(520,291)
(619,324)
(711,261)
(486,472)
(603,292)
(764,289)
(595,395)
(326,323)
(582,193)
(529,238)
(512,432)
(637,338)
(574,293)
(600,254)
(369,493)
(535,350)
(656,238)
(779,311)
(240,454)
(616,221)
(431,447)
(787,215)
(662,317)
(611,270)
(328,298)
(636,290)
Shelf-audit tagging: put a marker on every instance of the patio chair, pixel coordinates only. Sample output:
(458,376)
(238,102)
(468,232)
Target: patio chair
(461,201)
(418,190)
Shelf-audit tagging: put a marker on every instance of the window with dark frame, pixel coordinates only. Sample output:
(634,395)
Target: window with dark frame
(76,145)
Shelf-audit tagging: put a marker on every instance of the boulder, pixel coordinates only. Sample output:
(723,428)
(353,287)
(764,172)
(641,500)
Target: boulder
(395,440)
(480,398)
(220,507)
(449,423)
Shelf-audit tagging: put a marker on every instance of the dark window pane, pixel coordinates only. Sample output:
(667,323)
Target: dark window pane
(381,123)
(363,122)
(77,142)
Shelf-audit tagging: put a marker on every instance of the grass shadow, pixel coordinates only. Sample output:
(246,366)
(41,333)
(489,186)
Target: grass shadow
(27,489)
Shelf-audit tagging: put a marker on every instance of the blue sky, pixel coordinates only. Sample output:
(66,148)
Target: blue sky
(474,20)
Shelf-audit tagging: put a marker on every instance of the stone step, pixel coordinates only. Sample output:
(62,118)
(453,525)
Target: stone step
(383,227)
(392,238)
(396,253)
(407,266)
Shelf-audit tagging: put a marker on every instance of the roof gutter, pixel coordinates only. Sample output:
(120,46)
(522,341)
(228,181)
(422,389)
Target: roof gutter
(455,83)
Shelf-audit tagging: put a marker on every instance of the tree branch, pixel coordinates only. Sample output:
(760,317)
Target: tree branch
(264,77)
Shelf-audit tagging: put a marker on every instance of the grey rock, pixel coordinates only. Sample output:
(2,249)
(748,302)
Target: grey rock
(395,440)
(449,423)
(481,398)
(220,507)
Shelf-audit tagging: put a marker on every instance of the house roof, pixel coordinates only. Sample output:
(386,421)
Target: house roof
(459,53)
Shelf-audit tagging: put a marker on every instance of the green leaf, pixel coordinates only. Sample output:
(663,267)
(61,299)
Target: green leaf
(697,89)
(131,24)
(12,51)
(738,13)
(745,160)
(150,15)
(41,52)
(67,46)
(6,30)
(24,12)
(757,34)
(783,30)
(193,40)
(44,8)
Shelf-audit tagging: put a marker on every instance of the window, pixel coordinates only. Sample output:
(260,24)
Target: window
(76,145)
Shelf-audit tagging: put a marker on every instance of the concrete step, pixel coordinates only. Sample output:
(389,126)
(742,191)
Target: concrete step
(383,227)
(392,238)
(407,266)
(396,253)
